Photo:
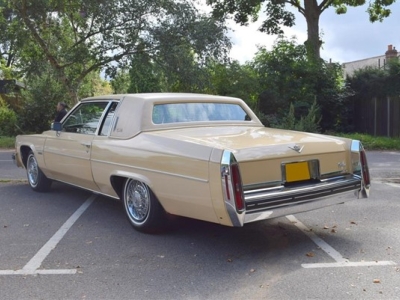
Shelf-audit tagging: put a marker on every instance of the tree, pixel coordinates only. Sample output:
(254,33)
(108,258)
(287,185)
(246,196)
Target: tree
(11,37)
(278,15)
(288,77)
(78,37)
(235,80)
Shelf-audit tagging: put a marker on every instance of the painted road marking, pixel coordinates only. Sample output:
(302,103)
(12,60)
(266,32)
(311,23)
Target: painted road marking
(396,185)
(32,267)
(340,260)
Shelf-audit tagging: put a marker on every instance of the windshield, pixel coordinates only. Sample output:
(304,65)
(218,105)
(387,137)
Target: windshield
(198,112)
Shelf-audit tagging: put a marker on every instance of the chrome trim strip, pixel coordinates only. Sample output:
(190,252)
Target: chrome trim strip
(261,185)
(267,203)
(293,209)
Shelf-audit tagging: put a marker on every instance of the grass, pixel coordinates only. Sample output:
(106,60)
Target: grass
(7,142)
(370,142)
(374,142)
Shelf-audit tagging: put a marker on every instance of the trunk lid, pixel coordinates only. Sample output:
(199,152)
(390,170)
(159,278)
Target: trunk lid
(261,152)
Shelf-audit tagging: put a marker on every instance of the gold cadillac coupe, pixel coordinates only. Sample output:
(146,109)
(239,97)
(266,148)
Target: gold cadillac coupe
(200,156)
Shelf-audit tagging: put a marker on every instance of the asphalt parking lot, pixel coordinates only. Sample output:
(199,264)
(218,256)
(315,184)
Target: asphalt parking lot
(71,244)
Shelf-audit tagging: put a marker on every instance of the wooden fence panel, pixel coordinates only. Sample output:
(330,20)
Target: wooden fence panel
(378,116)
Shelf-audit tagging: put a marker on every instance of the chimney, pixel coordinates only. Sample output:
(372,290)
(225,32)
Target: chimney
(391,52)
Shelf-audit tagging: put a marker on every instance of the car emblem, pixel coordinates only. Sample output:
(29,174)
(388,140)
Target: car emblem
(341,165)
(297,148)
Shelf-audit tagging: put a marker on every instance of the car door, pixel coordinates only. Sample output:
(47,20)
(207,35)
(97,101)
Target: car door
(67,153)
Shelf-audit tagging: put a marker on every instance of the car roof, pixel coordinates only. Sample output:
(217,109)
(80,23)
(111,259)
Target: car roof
(164,97)
(127,126)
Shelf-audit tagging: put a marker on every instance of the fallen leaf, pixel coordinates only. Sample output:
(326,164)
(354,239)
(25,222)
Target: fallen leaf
(333,231)
(252,271)
(310,254)
(354,223)
(229,260)
(326,227)
(377,281)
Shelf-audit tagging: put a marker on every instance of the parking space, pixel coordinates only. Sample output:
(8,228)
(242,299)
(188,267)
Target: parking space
(70,244)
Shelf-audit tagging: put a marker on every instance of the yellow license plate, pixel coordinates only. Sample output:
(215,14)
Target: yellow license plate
(297,171)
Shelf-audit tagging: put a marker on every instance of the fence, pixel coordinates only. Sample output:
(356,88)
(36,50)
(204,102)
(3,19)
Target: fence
(378,116)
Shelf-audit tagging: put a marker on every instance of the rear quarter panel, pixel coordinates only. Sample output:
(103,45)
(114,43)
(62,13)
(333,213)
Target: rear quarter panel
(176,171)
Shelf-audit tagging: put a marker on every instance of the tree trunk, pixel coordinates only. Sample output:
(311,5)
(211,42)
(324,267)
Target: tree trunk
(313,43)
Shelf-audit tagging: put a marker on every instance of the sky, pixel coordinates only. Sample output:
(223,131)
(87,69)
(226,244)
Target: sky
(346,38)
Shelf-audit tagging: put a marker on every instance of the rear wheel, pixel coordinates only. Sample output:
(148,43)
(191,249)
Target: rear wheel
(37,180)
(142,208)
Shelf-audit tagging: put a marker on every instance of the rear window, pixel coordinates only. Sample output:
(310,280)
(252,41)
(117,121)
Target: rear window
(198,112)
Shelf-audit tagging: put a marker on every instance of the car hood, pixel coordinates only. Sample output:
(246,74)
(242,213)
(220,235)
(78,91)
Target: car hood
(252,143)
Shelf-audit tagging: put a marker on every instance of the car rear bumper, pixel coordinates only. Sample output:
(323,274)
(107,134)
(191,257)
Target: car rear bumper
(268,203)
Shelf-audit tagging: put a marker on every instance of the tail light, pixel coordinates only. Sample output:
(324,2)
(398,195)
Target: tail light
(360,168)
(237,187)
(364,168)
(232,182)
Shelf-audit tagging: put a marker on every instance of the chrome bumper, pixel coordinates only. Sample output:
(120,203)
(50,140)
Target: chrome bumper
(268,203)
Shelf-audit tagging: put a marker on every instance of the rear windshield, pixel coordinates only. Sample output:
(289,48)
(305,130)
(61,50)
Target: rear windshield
(198,112)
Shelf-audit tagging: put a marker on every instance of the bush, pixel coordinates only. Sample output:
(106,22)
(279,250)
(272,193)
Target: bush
(308,123)
(8,121)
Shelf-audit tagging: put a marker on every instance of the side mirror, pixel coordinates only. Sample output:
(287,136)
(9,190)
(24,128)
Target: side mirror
(56,126)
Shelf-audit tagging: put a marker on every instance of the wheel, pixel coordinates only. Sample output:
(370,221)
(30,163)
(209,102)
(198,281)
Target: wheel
(37,180)
(142,208)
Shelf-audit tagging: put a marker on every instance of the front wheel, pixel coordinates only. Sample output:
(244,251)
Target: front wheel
(142,208)
(37,180)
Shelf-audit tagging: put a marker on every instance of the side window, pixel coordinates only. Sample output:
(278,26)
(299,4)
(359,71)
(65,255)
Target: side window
(106,128)
(86,118)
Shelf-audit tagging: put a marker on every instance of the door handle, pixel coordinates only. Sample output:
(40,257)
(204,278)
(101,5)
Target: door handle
(86,144)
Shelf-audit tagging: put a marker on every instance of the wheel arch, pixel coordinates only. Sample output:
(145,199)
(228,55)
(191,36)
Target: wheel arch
(117,181)
(24,150)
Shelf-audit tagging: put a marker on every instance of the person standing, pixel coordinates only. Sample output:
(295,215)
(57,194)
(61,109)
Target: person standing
(61,111)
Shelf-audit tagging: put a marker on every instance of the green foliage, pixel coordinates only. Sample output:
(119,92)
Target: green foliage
(308,123)
(374,142)
(8,120)
(145,75)
(121,81)
(288,77)
(7,142)
(41,96)
(79,38)
(372,82)
(235,80)
(5,71)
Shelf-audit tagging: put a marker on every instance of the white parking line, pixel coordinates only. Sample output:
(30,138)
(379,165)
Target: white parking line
(340,260)
(32,267)
(396,185)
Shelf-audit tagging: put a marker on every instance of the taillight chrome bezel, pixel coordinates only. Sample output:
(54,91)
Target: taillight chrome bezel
(232,185)
(360,166)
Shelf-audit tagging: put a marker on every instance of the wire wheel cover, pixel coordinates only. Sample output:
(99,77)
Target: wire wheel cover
(137,201)
(33,170)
